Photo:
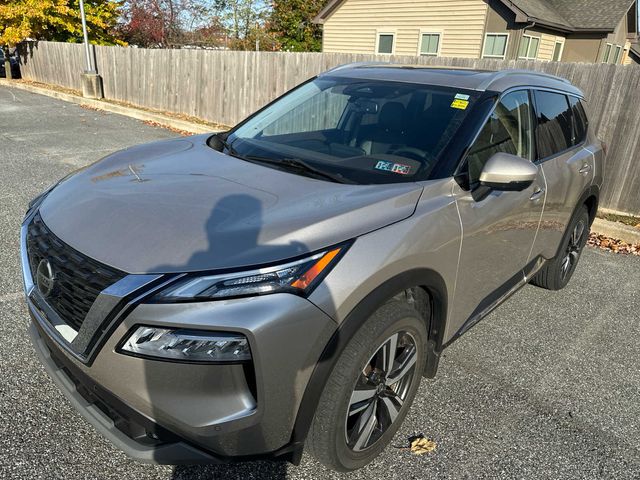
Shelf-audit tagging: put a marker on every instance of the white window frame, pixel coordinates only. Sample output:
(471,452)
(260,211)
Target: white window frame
(385,32)
(561,42)
(607,56)
(429,32)
(617,55)
(529,47)
(506,44)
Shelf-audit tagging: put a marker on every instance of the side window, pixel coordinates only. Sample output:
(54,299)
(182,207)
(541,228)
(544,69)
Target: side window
(580,121)
(555,130)
(508,130)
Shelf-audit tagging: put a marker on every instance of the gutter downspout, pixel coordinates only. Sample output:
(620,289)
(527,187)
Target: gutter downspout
(530,25)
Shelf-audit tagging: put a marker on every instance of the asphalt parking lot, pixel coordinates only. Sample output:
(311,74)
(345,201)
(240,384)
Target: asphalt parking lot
(548,386)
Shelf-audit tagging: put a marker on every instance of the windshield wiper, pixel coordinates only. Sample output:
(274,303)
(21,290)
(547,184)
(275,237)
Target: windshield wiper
(290,163)
(299,165)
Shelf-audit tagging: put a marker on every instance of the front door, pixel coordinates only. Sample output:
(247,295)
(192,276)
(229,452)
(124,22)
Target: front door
(499,227)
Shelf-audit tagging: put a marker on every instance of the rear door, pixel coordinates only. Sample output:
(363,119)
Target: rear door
(499,227)
(568,166)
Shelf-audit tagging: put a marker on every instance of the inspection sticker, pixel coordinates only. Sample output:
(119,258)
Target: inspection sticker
(460,104)
(461,96)
(393,167)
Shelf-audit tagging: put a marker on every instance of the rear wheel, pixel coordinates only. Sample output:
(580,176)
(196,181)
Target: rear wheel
(370,389)
(557,272)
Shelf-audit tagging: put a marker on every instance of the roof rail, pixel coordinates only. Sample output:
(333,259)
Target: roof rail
(356,64)
(505,73)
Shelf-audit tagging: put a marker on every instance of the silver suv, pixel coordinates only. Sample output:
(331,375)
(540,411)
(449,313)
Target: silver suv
(289,282)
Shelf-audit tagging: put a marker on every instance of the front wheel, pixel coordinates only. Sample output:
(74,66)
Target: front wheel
(557,272)
(370,389)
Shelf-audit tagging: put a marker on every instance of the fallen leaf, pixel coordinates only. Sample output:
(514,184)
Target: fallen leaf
(151,123)
(613,245)
(422,445)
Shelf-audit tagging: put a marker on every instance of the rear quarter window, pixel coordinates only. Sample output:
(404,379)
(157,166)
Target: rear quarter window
(554,131)
(580,120)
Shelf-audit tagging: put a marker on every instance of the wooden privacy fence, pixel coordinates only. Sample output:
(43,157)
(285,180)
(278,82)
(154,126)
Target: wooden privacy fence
(226,86)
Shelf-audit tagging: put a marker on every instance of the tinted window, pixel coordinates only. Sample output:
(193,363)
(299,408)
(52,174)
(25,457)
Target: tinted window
(580,122)
(555,129)
(508,130)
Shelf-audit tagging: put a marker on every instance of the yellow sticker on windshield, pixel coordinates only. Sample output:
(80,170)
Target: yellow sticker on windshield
(460,104)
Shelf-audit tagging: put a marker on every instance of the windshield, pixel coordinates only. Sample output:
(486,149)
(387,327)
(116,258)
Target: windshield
(362,131)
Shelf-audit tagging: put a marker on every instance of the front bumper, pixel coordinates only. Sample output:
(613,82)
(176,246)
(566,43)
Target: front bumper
(104,412)
(199,413)
(166,412)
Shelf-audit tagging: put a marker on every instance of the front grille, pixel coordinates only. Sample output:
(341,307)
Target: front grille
(78,278)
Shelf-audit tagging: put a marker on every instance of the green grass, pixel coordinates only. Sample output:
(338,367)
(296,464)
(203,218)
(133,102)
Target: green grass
(627,220)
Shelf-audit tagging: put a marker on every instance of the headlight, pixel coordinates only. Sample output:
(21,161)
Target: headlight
(187,345)
(298,277)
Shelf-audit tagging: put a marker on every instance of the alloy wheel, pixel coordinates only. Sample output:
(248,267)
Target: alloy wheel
(380,391)
(572,253)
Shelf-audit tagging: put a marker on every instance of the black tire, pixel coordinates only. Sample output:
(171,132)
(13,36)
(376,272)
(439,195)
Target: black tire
(327,440)
(557,272)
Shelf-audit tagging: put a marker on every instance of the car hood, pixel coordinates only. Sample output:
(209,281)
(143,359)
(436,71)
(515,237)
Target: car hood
(180,206)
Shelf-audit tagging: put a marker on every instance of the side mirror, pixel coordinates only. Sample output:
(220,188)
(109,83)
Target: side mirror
(507,172)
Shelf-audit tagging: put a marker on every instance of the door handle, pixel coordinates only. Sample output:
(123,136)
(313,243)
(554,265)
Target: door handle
(539,192)
(586,168)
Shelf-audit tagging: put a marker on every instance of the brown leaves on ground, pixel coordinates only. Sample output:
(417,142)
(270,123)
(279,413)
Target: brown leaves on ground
(614,245)
(167,127)
(419,445)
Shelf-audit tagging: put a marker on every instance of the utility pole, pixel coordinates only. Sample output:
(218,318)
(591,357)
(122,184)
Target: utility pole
(257,37)
(91,81)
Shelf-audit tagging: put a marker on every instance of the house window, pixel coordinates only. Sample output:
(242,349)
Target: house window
(557,51)
(386,43)
(607,53)
(529,47)
(495,45)
(429,44)
(616,58)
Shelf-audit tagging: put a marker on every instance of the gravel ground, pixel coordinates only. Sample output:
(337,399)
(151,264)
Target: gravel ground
(546,387)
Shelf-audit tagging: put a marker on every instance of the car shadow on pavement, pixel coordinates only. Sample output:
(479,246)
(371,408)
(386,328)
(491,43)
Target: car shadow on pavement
(230,471)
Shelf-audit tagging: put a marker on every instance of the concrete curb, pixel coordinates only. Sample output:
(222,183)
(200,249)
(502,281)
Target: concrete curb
(616,230)
(136,113)
(617,212)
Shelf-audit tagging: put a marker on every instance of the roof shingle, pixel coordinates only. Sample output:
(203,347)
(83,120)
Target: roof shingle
(577,14)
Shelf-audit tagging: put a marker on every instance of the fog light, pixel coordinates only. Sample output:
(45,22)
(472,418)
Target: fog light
(187,345)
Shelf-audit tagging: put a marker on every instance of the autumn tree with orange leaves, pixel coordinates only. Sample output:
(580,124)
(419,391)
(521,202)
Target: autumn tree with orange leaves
(57,20)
